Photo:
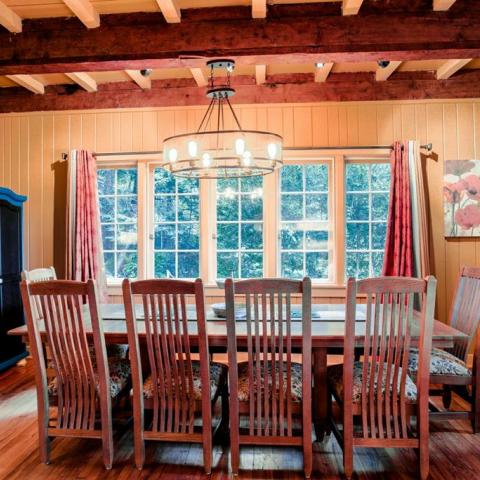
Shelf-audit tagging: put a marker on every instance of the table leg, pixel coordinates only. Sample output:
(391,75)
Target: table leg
(320,392)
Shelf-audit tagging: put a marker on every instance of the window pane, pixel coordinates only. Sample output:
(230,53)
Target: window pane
(292,207)
(366,208)
(240,227)
(188,264)
(227,264)
(292,178)
(304,242)
(356,206)
(117,191)
(177,228)
(252,265)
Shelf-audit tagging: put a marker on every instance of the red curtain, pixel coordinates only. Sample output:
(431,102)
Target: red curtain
(87,248)
(398,260)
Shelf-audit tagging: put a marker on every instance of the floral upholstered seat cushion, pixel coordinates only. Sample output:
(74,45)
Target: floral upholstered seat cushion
(218,375)
(119,374)
(296,380)
(441,363)
(335,377)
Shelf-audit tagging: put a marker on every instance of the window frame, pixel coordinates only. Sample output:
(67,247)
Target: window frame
(146,163)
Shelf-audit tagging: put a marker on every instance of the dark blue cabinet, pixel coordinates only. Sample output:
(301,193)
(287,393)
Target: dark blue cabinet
(11,263)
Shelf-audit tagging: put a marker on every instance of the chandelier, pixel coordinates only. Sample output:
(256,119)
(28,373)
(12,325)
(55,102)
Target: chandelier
(214,151)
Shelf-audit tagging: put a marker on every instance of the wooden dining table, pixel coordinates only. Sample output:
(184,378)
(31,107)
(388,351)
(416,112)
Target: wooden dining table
(328,327)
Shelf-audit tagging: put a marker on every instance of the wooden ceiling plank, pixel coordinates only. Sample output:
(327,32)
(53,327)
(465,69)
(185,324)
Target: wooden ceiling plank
(199,76)
(450,67)
(351,7)
(442,5)
(383,74)
(260,74)
(322,73)
(9,19)
(259,8)
(28,82)
(144,83)
(85,12)
(84,80)
(171,10)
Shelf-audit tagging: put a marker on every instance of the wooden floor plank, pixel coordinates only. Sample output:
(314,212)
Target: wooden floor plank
(454,450)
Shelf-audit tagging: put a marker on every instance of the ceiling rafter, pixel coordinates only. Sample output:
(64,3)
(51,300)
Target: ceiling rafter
(85,12)
(28,82)
(260,74)
(450,67)
(351,7)
(199,76)
(142,81)
(259,8)
(383,74)
(322,72)
(84,80)
(9,19)
(442,5)
(171,10)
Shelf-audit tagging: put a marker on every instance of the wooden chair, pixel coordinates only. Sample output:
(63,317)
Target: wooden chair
(84,384)
(269,389)
(448,367)
(375,416)
(178,390)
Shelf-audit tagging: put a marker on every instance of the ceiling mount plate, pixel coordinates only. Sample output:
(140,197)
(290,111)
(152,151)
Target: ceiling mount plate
(224,63)
(221,92)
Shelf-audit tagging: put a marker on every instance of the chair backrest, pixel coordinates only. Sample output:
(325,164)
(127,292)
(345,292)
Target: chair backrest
(268,316)
(389,327)
(465,311)
(39,275)
(169,352)
(78,372)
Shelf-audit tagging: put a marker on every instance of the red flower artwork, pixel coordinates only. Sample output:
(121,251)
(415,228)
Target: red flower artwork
(468,217)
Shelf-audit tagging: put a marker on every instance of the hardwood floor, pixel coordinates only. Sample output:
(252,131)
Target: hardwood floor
(454,451)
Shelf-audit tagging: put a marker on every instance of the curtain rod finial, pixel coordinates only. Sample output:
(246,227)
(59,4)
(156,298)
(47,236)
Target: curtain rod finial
(64,156)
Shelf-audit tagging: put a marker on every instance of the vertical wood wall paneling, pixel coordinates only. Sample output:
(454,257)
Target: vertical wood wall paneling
(31,147)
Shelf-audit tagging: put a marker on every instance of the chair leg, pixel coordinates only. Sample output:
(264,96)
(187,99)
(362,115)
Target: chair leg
(307,459)
(348,457)
(475,409)
(139,447)
(234,451)
(44,441)
(447,396)
(424,459)
(107,446)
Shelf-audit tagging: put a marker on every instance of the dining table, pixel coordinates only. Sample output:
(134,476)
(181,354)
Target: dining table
(328,328)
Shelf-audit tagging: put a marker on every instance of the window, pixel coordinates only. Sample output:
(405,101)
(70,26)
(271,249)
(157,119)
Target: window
(367,187)
(304,221)
(240,227)
(176,247)
(155,225)
(117,189)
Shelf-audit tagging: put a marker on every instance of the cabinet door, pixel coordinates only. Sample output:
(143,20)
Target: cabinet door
(11,311)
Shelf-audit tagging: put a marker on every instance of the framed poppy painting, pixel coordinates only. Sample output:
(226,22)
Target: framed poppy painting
(461,191)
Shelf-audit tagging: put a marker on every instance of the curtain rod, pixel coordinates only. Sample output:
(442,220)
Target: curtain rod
(427,146)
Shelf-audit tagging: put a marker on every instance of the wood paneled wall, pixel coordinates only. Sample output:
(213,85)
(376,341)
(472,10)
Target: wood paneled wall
(31,146)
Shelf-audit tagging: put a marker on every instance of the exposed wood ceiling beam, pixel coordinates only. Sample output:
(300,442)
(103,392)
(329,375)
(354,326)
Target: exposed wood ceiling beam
(9,19)
(351,7)
(50,47)
(84,80)
(383,74)
(143,82)
(451,67)
(171,10)
(296,88)
(85,12)
(260,74)
(28,82)
(322,73)
(442,5)
(199,76)
(259,8)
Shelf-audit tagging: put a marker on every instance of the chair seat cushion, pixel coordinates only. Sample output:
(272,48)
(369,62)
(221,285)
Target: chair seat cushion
(119,375)
(218,375)
(335,378)
(296,380)
(441,363)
